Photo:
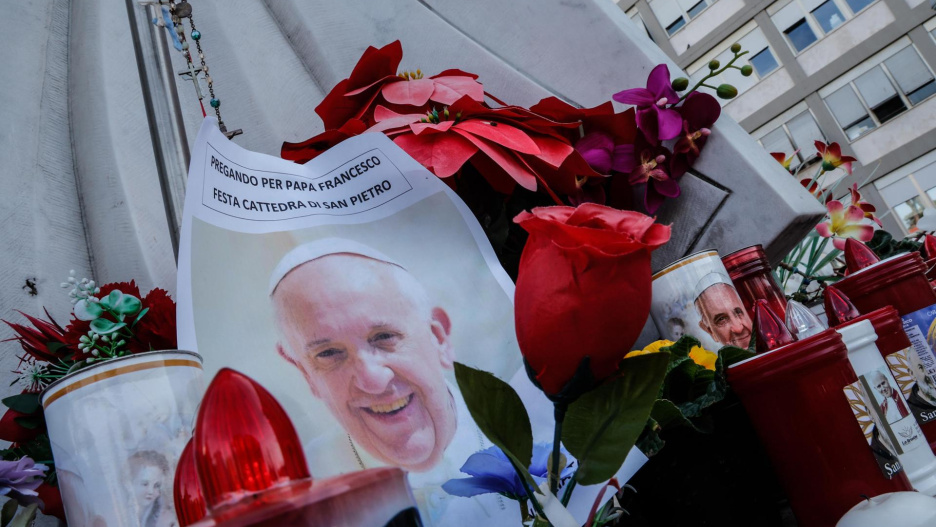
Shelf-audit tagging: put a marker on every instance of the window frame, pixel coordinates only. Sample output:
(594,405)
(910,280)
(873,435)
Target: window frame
(684,15)
(908,105)
(813,23)
(804,162)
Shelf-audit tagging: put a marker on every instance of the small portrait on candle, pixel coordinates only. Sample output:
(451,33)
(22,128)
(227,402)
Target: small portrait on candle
(723,315)
(923,393)
(890,403)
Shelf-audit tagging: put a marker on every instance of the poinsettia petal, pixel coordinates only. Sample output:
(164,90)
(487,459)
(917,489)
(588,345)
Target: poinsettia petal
(412,92)
(444,154)
(552,151)
(500,133)
(635,96)
(447,90)
(376,64)
(518,171)
(387,119)
(385,80)
(419,128)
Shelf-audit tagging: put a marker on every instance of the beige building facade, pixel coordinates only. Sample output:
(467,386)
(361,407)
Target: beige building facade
(858,72)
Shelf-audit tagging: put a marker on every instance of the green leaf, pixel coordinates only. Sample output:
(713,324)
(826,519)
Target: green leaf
(732,354)
(601,426)
(24,403)
(26,518)
(103,326)
(128,305)
(139,317)
(30,422)
(8,511)
(499,413)
(667,415)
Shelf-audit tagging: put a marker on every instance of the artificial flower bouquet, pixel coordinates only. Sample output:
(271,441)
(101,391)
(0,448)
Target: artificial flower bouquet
(108,321)
(502,159)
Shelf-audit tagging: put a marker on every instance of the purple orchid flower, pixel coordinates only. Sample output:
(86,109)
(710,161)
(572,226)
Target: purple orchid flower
(491,472)
(597,149)
(699,113)
(19,480)
(655,120)
(649,169)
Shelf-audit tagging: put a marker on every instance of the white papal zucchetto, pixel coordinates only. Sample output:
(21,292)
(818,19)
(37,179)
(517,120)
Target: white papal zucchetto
(310,251)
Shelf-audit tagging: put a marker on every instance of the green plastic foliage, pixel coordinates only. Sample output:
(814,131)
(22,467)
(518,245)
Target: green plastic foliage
(601,426)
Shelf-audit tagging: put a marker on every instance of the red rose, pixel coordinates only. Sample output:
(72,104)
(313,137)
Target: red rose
(583,288)
(14,432)
(157,329)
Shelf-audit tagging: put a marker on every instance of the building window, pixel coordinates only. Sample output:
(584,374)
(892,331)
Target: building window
(678,23)
(799,133)
(910,195)
(675,14)
(800,35)
(882,93)
(910,212)
(828,16)
(806,21)
(763,62)
(858,5)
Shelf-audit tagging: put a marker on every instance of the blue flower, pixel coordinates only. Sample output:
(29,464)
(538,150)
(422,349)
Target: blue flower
(491,471)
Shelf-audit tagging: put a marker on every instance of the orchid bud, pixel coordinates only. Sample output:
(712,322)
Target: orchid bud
(660,159)
(714,65)
(747,70)
(680,83)
(736,48)
(726,91)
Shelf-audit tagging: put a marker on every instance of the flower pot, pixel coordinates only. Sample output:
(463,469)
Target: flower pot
(117,429)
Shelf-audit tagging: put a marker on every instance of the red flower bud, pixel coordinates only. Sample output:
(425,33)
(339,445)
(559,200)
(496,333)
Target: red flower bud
(583,288)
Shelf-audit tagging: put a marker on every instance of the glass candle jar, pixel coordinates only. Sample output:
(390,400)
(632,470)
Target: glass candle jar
(795,398)
(750,272)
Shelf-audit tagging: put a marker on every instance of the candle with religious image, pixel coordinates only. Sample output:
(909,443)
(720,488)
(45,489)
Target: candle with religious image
(893,433)
(900,281)
(695,296)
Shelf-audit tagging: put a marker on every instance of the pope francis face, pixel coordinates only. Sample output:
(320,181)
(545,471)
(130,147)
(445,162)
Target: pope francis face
(372,347)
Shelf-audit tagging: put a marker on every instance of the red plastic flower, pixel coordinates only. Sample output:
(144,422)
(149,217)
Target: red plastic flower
(14,432)
(865,207)
(157,329)
(832,157)
(508,145)
(311,148)
(375,80)
(46,341)
(844,223)
(583,288)
(784,160)
(655,119)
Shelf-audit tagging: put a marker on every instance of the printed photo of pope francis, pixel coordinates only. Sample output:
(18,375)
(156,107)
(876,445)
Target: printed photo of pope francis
(355,329)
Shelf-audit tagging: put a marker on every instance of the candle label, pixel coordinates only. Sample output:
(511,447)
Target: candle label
(915,367)
(884,418)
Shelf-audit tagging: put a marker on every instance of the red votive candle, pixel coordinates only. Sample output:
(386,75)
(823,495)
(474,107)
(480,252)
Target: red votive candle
(795,398)
(750,272)
(900,281)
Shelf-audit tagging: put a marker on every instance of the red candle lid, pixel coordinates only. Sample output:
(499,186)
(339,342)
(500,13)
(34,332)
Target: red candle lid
(186,491)
(770,332)
(858,256)
(747,261)
(886,322)
(839,309)
(765,370)
(882,274)
(244,441)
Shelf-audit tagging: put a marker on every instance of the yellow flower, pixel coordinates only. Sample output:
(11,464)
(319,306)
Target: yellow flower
(651,348)
(698,354)
(703,357)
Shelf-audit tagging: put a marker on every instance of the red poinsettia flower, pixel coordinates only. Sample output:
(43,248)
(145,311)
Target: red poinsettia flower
(832,157)
(784,160)
(865,207)
(375,80)
(620,127)
(508,145)
(14,432)
(157,329)
(311,148)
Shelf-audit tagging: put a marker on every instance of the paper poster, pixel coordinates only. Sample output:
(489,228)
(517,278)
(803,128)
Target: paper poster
(348,287)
